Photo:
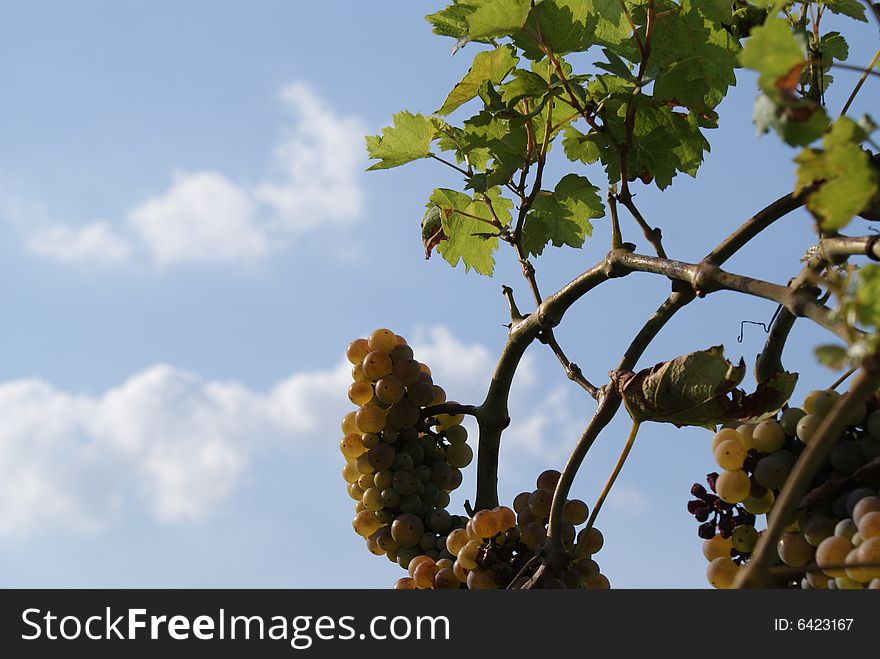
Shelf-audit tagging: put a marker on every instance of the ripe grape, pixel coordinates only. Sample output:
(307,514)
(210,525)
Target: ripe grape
(722,572)
(357,350)
(733,486)
(768,436)
(360,393)
(485,524)
(730,454)
(377,365)
(383,340)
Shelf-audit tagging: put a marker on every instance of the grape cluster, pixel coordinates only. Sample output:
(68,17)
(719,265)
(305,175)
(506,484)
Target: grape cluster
(835,540)
(495,545)
(400,467)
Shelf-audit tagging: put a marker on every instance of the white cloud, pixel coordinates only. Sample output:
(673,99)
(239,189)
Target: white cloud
(206,217)
(627,499)
(203,217)
(94,244)
(180,445)
(320,160)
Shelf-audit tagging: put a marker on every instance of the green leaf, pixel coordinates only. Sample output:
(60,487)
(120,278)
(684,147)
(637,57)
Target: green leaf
(408,139)
(612,27)
(525,84)
(852,8)
(504,140)
(451,21)
(773,51)
(868,296)
(465,236)
(566,27)
(696,58)
(832,356)
(497,18)
(788,123)
(849,178)
(699,389)
(562,217)
(492,66)
(833,45)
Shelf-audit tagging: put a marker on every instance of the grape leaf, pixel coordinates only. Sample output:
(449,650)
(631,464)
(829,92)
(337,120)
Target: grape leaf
(408,139)
(831,355)
(451,21)
(524,84)
(497,18)
(492,65)
(612,26)
(562,217)
(696,58)
(852,8)
(466,238)
(773,51)
(791,127)
(833,45)
(699,389)
(565,28)
(849,180)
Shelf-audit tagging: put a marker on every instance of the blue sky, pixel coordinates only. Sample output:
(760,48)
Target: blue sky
(188,242)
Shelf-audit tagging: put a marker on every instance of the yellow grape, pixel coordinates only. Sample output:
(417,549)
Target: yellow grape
(383,340)
(357,350)
(360,393)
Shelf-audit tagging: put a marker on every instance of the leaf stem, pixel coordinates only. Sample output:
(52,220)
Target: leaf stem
(614,474)
(861,82)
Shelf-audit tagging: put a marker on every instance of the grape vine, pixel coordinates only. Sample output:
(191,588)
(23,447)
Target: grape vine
(640,113)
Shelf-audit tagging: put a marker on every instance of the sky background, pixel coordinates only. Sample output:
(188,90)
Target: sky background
(189,241)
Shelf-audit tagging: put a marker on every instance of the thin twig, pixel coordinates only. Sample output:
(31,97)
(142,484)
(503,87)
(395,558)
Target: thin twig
(861,82)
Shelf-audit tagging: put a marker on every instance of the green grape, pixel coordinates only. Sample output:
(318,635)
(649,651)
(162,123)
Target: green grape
(370,418)
(357,350)
(401,353)
(598,582)
(548,480)
(857,415)
(768,436)
(587,568)
(506,517)
(807,427)
(407,530)
(421,393)
(869,555)
(540,502)
(360,393)
(593,541)
(521,502)
(833,551)
(350,473)
(870,447)
(456,539)
(405,483)
(818,580)
(721,572)
(759,505)
(439,395)
(746,435)
(845,583)
(455,483)
(423,473)
(459,455)
(411,503)
(717,546)
(533,535)
(349,425)
(405,583)
(389,389)
(467,555)
(372,499)
(744,538)
(817,529)
(385,515)
(403,461)
(382,537)
(771,472)
(820,401)
(383,479)
(369,439)
(381,457)
(794,550)
(365,481)
(724,435)
(389,498)
(442,500)
(355,492)
(439,520)
(365,523)
(845,528)
(481,580)
(357,374)
(869,524)
(445,579)
(732,486)
(428,541)
(485,524)
(377,365)
(789,419)
(415,451)
(406,371)
(352,446)
(431,492)
(730,454)
(456,434)
(441,473)
(383,340)
(404,413)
